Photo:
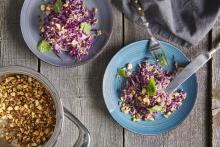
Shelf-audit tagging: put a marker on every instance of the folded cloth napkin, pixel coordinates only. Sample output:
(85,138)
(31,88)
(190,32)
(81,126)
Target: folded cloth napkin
(185,22)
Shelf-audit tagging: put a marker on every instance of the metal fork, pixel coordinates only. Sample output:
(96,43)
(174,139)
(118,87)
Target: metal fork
(154,45)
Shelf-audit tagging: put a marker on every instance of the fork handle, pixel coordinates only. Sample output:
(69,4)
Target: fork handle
(137,5)
(140,10)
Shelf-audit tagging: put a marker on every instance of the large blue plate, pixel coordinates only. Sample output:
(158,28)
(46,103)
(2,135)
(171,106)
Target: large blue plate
(135,53)
(29,23)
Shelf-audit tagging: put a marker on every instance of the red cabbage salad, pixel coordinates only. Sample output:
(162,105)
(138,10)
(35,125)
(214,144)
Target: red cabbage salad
(143,95)
(68,27)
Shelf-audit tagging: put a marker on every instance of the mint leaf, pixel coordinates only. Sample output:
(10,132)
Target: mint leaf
(44,47)
(163,60)
(86,27)
(151,87)
(156,108)
(58,6)
(122,72)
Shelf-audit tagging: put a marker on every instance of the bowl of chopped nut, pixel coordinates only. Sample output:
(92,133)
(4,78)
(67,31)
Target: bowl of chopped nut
(31,112)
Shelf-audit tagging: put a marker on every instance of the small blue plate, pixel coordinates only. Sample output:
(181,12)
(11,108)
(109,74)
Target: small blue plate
(29,23)
(136,53)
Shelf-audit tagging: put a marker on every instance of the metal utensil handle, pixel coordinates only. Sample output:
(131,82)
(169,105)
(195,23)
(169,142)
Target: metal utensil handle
(136,4)
(214,50)
(84,136)
(190,69)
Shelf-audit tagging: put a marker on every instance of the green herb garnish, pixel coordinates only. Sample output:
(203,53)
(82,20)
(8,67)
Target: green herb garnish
(163,60)
(86,27)
(122,72)
(151,87)
(58,6)
(157,108)
(44,47)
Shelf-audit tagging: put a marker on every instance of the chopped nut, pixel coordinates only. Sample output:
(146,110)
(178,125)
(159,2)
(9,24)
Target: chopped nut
(36,133)
(125,109)
(33,144)
(11,125)
(136,117)
(9,108)
(5,95)
(13,94)
(42,29)
(39,107)
(167,114)
(129,66)
(144,91)
(58,26)
(28,110)
(26,106)
(41,134)
(74,42)
(173,109)
(168,102)
(65,5)
(25,86)
(146,101)
(36,103)
(31,106)
(47,131)
(48,8)
(29,79)
(8,79)
(43,7)
(3,106)
(158,99)
(19,86)
(16,108)
(133,91)
(37,121)
(26,94)
(9,116)
(4,117)
(33,115)
(128,73)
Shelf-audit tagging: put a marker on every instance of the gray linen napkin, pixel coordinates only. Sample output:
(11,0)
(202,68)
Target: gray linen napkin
(185,22)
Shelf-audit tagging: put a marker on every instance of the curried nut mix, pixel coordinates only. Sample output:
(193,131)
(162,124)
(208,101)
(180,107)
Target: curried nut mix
(27,111)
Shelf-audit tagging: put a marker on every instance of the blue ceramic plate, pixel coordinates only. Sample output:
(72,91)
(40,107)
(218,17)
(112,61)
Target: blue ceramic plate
(136,53)
(29,23)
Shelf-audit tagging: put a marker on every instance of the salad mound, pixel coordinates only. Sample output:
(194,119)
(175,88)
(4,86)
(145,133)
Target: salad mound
(143,95)
(68,27)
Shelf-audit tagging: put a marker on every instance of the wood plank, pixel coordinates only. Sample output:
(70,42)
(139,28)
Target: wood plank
(192,132)
(81,92)
(215,86)
(13,49)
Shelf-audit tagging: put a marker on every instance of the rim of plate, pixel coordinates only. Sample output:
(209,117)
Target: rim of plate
(80,63)
(141,133)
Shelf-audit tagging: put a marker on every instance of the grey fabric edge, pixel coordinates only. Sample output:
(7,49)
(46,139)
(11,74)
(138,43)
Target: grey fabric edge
(168,36)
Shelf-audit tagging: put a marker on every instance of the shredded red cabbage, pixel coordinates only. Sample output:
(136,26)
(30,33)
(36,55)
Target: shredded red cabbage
(62,30)
(134,95)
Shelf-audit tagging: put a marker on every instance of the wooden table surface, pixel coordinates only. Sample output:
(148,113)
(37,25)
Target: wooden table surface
(80,87)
